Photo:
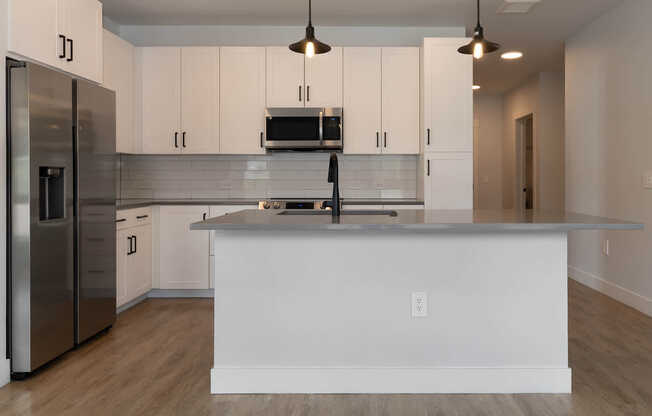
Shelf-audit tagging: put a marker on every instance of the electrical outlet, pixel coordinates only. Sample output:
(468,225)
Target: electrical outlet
(419,304)
(605,248)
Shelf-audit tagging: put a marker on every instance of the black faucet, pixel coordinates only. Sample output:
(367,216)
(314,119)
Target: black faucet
(333,178)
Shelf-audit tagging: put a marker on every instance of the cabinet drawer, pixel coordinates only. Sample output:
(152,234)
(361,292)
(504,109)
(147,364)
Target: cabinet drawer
(133,217)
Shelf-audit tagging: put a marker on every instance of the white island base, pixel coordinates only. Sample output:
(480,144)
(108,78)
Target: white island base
(330,312)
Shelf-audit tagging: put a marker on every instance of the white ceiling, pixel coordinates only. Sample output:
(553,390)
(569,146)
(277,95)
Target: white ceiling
(539,34)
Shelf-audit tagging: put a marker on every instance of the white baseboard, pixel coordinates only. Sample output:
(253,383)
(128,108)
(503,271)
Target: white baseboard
(619,293)
(5,372)
(390,380)
(180,293)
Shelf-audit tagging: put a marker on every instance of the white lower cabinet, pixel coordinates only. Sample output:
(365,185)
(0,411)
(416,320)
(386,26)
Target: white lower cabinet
(134,254)
(448,181)
(183,255)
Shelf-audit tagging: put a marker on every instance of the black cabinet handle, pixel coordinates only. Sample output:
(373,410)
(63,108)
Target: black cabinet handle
(121,220)
(428,167)
(63,46)
(428,137)
(183,139)
(308,93)
(71,51)
(385,143)
(261,139)
(204,217)
(377,139)
(176,139)
(140,217)
(135,244)
(300,93)
(129,252)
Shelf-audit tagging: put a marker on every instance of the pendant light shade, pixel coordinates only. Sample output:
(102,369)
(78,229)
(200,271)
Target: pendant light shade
(478,45)
(309,45)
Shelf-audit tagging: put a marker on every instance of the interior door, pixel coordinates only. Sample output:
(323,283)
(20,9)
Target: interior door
(362,100)
(324,79)
(200,100)
(161,99)
(400,100)
(242,100)
(285,72)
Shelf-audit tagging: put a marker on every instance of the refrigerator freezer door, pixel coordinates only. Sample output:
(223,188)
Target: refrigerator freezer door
(42,216)
(96,182)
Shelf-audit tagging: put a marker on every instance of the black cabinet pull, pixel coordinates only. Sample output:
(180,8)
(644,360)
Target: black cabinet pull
(176,139)
(385,143)
(428,130)
(261,139)
(135,244)
(204,216)
(377,139)
(308,93)
(183,139)
(71,51)
(300,93)
(63,46)
(428,167)
(140,217)
(121,220)
(129,251)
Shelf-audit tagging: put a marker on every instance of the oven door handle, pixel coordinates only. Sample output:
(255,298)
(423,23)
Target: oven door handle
(321,128)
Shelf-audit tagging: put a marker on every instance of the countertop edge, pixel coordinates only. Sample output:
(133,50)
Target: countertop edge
(190,202)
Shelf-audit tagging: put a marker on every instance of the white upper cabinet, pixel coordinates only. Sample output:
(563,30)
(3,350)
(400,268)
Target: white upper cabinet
(242,100)
(285,72)
(200,71)
(160,79)
(119,77)
(448,181)
(447,96)
(65,34)
(400,89)
(323,79)
(362,100)
(381,100)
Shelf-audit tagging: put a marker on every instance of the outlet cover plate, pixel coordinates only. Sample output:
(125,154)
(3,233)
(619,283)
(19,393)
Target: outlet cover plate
(419,304)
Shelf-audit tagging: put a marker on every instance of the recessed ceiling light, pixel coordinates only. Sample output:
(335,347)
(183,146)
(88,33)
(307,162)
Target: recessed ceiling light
(475,87)
(512,55)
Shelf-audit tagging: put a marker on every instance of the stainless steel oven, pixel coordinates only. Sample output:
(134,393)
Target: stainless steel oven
(304,129)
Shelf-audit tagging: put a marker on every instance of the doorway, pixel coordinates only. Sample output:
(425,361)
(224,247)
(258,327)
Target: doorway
(525,172)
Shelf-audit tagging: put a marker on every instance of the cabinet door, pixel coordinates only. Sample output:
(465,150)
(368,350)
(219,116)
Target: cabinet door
(161,99)
(33,30)
(324,79)
(119,77)
(122,248)
(447,79)
(84,22)
(400,100)
(139,264)
(284,78)
(183,253)
(242,100)
(449,181)
(362,100)
(200,100)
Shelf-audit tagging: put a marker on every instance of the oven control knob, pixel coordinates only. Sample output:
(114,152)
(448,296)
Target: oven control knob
(266,205)
(277,205)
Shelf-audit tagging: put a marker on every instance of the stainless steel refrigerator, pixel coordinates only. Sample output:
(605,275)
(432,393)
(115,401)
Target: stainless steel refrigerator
(62,169)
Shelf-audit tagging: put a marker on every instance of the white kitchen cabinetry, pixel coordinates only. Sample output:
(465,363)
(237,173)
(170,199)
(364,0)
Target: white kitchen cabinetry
(323,79)
(448,181)
(119,77)
(134,254)
(381,100)
(447,107)
(296,81)
(183,255)
(65,34)
(179,99)
(242,100)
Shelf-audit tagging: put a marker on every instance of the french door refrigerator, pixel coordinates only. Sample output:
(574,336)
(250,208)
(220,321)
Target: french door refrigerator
(62,170)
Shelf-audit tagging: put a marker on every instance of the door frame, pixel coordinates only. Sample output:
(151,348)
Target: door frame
(519,162)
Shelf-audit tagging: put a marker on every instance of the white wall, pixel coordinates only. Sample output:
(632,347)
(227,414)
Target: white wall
(281,35)
(488,151)
(4,364)
(608,147)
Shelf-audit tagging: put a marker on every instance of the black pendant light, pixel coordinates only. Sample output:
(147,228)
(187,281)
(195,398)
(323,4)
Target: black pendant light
(479,45)
(310,45)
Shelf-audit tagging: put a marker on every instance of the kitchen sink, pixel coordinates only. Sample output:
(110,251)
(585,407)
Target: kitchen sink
(390,213)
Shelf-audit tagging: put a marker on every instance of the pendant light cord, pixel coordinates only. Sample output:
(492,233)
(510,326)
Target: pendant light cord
(310,12)
(478,12)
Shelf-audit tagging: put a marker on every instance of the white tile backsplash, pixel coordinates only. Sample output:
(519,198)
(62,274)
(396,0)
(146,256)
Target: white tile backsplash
(281,175)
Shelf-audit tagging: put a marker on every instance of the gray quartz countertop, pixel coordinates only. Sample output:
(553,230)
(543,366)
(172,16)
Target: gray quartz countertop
(139,203)
(418,220)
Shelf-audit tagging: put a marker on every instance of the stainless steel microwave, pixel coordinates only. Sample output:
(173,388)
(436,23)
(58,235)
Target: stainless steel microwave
(303,129)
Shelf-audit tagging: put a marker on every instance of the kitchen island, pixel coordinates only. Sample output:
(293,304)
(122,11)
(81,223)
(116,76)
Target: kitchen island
(412,301)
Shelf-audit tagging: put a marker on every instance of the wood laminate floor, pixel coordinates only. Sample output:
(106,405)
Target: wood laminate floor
(156,361)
